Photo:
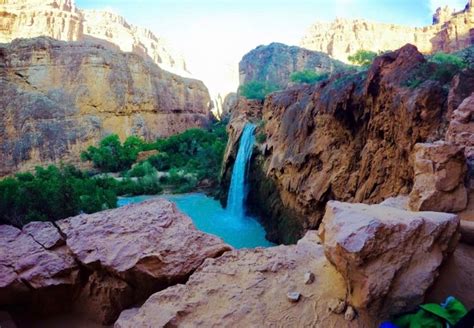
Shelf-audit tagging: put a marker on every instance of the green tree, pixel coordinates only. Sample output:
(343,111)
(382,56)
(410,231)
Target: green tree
(309,77)
(257,90)
(363,58)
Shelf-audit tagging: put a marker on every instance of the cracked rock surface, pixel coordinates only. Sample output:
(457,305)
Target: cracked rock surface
(102,263)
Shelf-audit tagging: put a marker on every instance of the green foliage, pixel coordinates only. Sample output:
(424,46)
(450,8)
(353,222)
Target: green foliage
(363,58)
(440,67)
(261,137)
(309,77)
(111,155)
(51,194)
(195,151)
(141,170)
(257,90)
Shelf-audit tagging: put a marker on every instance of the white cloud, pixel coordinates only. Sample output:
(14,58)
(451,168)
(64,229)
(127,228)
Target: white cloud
(456,4)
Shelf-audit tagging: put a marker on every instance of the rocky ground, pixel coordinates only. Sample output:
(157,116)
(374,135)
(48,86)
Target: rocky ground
(99,264)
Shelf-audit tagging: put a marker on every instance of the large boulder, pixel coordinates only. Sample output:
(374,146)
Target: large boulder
(440,172)
(122,256)
(389,257)
(252,288)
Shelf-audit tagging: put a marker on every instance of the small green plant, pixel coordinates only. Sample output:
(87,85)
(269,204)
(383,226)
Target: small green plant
(362,58)
(261,138)
(448,59)
(257,90)
(308,77)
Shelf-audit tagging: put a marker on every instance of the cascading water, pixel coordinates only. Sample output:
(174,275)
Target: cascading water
(238,188)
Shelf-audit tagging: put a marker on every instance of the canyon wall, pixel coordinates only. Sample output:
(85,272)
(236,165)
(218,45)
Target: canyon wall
(60,97)
(275,62)
(343,37)
(349,139)
(62,20)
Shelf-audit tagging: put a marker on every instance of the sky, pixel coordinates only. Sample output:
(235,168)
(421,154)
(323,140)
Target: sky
(214,34)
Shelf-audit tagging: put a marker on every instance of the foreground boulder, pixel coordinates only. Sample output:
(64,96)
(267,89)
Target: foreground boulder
(389,257)
(251,288)
(440,171)
(122,257)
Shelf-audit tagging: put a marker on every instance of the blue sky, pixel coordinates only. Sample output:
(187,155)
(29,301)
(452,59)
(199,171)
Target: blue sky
(213,34)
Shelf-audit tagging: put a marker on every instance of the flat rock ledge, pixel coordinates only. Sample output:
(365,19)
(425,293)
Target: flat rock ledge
(103,263)
(364,259)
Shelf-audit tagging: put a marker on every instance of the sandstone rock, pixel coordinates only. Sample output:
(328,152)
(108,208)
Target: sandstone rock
(337,306)
(388,257)
(136,250)
(350,139)
(62,20)
(344,37)
(293,297)
(58,98)
(440,170)
(456,278)
(238,289)
(31,271)
(122,256)
(350,313)
(275,62)
(467,232)
(308,278)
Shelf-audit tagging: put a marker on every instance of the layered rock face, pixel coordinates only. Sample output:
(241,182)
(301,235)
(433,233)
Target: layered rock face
(58,98)
(275,63)
(62,20)
(297,286)
(350,139)
(342,37)
(103,263)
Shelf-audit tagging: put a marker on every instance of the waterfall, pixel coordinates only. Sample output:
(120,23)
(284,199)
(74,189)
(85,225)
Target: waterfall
(238,191)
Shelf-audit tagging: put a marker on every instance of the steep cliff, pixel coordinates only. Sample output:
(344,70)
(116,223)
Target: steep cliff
(343,37)
(350,139)
(62,20)
(57,98)
(275,63)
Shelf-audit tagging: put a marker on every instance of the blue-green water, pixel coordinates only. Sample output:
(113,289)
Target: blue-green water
(209,216)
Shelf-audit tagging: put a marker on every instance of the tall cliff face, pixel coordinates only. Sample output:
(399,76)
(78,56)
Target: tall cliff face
(275,63)
(57,98)
(60,19)
(350,139)
(342,37)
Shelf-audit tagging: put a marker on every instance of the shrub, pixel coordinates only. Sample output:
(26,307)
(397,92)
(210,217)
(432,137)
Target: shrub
(111,155)
(141,170)
(309,77)
(449,60)
(363,58)
(261,137)
(52,194)
(257,90)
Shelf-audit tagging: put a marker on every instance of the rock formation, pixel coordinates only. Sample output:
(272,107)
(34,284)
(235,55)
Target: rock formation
(440,171)
(62,20)
(343,37)
(103,263)
(270,287)
(350,139)
(389,257)
(275,63)
(58,98)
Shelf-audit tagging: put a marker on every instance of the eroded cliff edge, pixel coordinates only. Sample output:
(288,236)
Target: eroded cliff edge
(60,97)
(349,139)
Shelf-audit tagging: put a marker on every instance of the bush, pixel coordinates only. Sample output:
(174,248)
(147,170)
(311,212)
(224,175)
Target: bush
(112,156)
(52,194)
(309,77)
(257,90)
(261,138)
(141,170)
(439,67)
(363,58)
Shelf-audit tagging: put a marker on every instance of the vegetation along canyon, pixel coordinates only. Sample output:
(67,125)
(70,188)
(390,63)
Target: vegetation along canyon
(237,163)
